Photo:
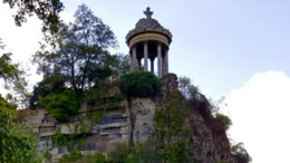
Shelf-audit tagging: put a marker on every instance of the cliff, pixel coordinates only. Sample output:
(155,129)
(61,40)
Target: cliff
(98,127)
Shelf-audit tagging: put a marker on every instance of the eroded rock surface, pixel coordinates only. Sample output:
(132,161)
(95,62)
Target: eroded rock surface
(131,125)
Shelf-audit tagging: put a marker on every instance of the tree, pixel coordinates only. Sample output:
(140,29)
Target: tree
(119,64)
(61,105)
(16,142)
(140,84)
(11,74)
(187,89)
(16,145)
(173,138)
(46,11)
(81,52)
(241,153)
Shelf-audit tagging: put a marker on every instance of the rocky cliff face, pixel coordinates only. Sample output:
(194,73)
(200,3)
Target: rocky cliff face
(131,125)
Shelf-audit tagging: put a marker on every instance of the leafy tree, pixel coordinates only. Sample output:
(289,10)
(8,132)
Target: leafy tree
(118,63)
(140,84)
(187,89)
(51,83)
(46,11)
(81,52)
(195,98)
(173,139)
(61,105)
(223,121)
(241,153)
(10,73)
(17,145)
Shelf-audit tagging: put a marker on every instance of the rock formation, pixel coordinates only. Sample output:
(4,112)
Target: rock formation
(131,125)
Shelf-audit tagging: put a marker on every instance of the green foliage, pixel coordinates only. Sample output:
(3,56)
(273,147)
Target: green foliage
(50,83)
(99,102)
(140,84)
(100,98)
(241,153)
(7,112)
(196,99)
(47,11)
(17,145)
(176,152)
(225,121)
(221,161)
(61,105)
(119,64)
(76,157)
(141,153)
(72,156)
(74,141)
(93,158)
(95,116)
(81,53)
(11,74)
(173,138)
(58,139)
(169,121)
(145,152)
(47,155)
(186,88)
(120,154)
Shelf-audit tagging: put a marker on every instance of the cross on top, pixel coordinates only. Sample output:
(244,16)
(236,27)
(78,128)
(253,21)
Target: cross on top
(148,13)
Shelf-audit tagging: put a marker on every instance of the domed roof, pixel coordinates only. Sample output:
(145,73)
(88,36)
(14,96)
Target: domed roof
(148,24)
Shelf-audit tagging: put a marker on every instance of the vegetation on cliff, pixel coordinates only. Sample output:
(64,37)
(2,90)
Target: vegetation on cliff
(74,71)
(140,84)
(61,105)
(16,143)
(80,63)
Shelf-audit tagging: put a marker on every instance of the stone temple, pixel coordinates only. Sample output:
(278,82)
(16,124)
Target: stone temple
(149,41)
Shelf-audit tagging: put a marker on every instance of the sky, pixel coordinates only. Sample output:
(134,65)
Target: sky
(236,49)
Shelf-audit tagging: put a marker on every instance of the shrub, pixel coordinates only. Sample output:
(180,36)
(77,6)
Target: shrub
(72,156)
(225,121)
(176,152)
(241,153)
(140,84)
(61,105)
(121,154)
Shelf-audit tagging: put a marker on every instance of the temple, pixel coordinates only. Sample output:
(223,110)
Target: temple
(148,41)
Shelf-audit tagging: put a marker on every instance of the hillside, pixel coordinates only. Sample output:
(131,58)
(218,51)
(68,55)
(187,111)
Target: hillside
(167,127)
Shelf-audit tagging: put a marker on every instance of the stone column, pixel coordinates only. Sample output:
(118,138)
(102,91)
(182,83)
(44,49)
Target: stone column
(159,56)
(152,64)
(133,59)
(145,56)
(165,63)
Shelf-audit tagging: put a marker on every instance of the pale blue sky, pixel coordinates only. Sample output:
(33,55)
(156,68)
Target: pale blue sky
(233,48)
(237,48)
(220,44)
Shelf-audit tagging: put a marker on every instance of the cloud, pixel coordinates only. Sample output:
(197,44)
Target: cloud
(260,112)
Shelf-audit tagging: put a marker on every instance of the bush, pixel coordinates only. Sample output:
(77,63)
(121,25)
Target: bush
(90,158)
(61,105)
(241,153)
(140,84)
(72,156)
(120,154)
(225,121)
